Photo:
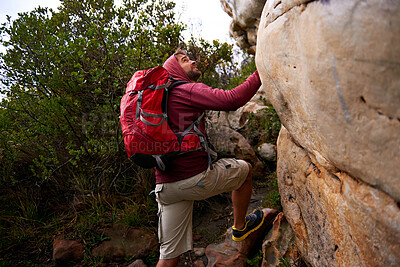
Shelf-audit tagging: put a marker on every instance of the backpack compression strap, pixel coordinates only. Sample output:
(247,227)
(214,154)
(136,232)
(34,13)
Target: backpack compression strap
(163,116)
(203,139)
(139,110)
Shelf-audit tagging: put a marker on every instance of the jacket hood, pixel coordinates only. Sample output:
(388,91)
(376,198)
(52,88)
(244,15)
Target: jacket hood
(175,70)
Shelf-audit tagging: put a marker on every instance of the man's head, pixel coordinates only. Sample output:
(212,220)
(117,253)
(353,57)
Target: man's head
(189,66)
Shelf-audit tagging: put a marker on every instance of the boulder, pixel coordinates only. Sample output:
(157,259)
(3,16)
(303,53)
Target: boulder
(337,219)
(267,151)
(222,130)
(67,250)
(245,16)
(280,244)
(231,253)
(229,143)
(331,71)
(126,242)
(238,119)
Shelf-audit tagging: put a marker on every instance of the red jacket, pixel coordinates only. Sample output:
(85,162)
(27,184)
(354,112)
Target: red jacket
(185,103)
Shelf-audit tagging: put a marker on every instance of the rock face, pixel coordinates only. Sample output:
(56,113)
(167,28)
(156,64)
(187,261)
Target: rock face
(337,220)
(331,69)
(333,75)
(245,19)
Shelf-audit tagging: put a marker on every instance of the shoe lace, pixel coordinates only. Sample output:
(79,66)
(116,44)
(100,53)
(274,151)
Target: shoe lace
(251,218)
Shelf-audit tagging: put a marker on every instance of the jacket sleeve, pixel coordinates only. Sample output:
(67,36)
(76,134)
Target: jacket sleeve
(207,98)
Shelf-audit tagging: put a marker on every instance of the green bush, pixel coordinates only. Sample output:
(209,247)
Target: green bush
(63,75)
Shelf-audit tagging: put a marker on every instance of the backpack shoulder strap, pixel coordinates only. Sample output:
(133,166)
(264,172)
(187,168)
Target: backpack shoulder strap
(175,83)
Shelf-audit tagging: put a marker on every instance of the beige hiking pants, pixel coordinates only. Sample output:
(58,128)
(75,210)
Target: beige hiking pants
(175,202)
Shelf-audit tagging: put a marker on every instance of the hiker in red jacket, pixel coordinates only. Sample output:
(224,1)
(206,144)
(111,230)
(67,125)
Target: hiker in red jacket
(189,177)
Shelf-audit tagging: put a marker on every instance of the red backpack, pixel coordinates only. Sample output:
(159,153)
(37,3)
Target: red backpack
(149,140)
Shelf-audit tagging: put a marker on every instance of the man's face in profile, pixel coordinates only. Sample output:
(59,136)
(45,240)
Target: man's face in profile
(189,67)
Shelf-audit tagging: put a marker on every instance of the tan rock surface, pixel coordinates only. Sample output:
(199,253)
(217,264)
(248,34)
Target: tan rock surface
(331,69)
(337,220)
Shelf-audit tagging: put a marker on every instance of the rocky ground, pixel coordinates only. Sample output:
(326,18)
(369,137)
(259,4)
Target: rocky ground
(211,222)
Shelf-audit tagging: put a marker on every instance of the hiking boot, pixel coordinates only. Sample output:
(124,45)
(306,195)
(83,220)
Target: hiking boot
(252,223)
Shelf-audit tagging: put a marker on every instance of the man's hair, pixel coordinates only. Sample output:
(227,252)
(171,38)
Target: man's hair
(180,51)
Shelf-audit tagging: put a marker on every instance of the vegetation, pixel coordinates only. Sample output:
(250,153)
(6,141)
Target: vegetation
(272,198)
(64,167)
(283,262)
(256,260)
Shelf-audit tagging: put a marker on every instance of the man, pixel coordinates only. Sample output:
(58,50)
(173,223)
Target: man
(188,177)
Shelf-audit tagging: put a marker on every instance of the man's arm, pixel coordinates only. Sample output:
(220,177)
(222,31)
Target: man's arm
(207,98)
